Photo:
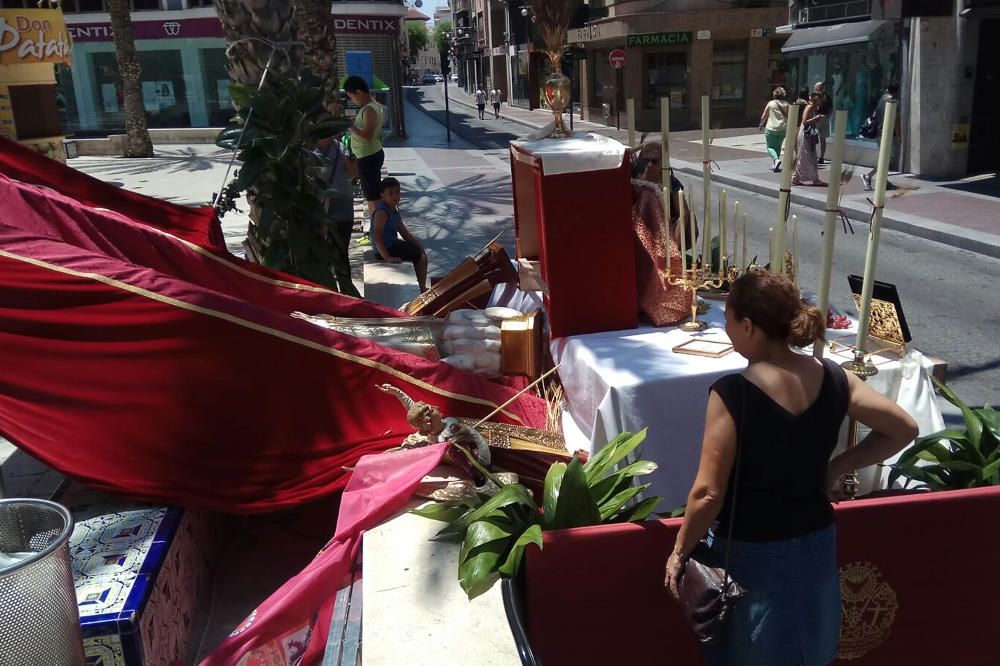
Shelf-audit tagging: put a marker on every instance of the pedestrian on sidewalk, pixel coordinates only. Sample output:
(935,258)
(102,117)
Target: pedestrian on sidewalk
(481,102)
(774,124)
(496,97)
(823,126)
(366,138)
(386,228)
(878,116)
(339,206)
(806,167)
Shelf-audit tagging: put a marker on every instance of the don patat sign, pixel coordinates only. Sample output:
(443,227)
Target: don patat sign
(658,39)
(33,36)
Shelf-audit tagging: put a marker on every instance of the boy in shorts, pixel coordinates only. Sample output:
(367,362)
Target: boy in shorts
(387,227)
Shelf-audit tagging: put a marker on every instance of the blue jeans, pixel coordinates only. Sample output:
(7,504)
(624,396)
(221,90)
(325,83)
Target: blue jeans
(790,615)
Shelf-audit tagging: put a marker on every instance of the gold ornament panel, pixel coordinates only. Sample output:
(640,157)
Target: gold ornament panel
(868,606)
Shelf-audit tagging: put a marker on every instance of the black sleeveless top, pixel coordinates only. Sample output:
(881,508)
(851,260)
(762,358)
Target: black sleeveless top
(784,457)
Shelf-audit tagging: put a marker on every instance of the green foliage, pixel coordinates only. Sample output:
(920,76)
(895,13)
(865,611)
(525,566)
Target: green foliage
(954,459)
(281,171)
(419,38)
(494,531)
(441,31)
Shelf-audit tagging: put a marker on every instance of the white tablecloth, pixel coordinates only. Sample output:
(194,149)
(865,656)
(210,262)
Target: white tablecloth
(626,380)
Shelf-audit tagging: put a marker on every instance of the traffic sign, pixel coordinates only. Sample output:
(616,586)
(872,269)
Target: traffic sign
(617,58)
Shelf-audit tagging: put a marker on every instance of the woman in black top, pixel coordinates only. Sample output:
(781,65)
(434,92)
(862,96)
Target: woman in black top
(791,407)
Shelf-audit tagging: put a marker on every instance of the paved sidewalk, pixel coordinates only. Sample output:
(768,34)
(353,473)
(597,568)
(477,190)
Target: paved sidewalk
(963,213)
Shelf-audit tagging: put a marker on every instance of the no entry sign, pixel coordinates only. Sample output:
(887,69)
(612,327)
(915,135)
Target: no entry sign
(617,58)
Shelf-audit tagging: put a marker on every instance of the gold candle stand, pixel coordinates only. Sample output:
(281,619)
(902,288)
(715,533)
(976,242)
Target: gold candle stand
(700,277)
(861,365)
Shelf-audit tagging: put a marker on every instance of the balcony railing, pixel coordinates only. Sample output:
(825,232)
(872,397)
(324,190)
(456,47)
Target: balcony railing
(826,12)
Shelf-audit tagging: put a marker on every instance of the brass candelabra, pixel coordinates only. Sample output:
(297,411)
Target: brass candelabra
(697,277)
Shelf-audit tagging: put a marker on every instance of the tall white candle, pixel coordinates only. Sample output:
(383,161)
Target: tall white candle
(666,197)
(770,247)
(683,227)
(706,251)
(829,226)
(736,236)
(784,193)
(795,248)
(723,223)
(881,178)
(665,165)
(744,264)
(630,119)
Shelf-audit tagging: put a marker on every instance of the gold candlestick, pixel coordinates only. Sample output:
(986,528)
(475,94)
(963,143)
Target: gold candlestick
(692,278)
(863,368)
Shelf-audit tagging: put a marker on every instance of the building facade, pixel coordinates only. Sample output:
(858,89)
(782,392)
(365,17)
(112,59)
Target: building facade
(943,54)
(681,50)
(181,51)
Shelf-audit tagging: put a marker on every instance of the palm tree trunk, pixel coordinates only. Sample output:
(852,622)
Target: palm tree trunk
(251,29)
(319,58)
(137,141)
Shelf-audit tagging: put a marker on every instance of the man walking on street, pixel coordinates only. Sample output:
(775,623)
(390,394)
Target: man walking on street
(891,95)
(481,102)
(496,97)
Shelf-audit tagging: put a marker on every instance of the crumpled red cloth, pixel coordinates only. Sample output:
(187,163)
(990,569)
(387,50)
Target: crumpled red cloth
(291,627)
(139,357)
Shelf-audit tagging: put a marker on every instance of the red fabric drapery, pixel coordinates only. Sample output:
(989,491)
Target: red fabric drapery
(156,366)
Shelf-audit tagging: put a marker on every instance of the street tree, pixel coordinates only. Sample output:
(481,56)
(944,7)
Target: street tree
(319,57)
(137,141)
(418,38)
(253,29)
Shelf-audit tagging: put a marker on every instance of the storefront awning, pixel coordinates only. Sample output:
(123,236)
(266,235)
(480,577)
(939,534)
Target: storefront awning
(831,35)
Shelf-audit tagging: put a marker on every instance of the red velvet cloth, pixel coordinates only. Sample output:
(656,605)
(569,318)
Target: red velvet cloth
(933,552)
(135,362)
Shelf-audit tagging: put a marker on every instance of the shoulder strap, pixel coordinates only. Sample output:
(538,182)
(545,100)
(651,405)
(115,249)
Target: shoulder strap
(736,478)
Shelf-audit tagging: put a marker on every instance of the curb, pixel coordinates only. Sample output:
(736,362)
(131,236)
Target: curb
(912,225)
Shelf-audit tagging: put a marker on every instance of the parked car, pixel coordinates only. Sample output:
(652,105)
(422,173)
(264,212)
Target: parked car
(430,79)
(438,78)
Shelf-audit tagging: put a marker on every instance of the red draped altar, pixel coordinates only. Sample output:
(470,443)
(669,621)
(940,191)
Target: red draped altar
(138,355)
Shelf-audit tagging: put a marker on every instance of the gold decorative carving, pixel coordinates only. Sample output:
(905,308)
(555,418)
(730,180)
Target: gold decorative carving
(869,609)
(884,323)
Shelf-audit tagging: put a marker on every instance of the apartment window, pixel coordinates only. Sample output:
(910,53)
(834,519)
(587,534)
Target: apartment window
(729,70)
(90,6)
(145,5)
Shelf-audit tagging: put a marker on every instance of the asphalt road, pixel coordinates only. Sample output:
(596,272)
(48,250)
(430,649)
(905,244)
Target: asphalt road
(950,296)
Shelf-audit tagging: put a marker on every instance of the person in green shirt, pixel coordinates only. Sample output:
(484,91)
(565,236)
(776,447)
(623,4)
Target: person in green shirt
(366,138)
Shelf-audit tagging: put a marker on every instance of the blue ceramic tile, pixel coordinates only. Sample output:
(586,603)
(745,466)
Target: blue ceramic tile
(137,597)
(155,556)
(99,624)
(168,525)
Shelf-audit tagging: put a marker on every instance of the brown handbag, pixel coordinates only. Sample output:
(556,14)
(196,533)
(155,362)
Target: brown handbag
(707,591)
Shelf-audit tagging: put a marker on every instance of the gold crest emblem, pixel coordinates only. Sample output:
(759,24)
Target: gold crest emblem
(869,609)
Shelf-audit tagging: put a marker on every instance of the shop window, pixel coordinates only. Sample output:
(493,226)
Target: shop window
(68,6)
(666,76)
(729,71)
(777,66)
(16,4)
(145,5)
(164,94)
(216,82)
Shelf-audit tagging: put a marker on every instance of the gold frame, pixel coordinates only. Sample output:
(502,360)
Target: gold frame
(684,348)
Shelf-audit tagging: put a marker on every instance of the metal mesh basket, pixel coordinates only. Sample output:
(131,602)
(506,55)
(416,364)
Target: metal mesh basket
(39,620)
